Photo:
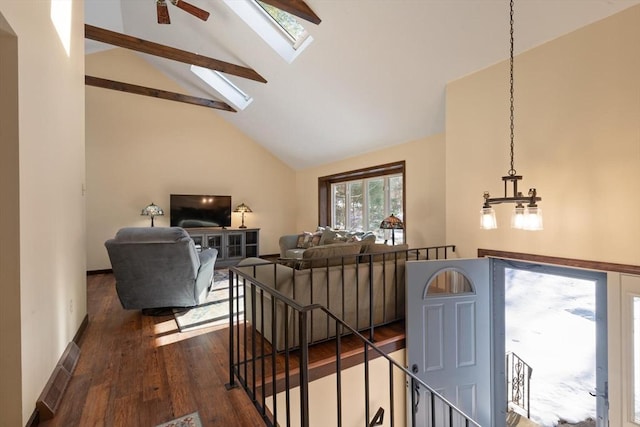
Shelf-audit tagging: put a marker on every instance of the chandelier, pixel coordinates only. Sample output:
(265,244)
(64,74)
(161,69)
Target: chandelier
(526,214)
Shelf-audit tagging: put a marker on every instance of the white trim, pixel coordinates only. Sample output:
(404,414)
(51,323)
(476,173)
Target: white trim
(223,86)
(630,289)
(260,22)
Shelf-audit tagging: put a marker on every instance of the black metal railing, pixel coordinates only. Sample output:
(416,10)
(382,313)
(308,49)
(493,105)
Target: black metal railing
(364,290)
(279,383)
(518,382)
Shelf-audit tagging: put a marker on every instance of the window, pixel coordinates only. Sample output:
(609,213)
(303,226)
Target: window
(223,86)
(287,23)
(277,28)
(361,199)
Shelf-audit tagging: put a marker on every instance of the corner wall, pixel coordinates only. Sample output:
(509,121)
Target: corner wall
(10,364)
(44,222)
(577,140)
(142,149)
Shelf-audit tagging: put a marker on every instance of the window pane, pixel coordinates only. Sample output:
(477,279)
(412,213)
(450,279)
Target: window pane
(288,23)
(449,282)
(355,214)
(395,195)
(339,202)
(395,203)
(375,205)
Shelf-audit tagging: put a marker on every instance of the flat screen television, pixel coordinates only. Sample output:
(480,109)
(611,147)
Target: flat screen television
(192,211)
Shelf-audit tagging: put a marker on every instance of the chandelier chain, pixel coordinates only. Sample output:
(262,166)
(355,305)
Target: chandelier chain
(512,170)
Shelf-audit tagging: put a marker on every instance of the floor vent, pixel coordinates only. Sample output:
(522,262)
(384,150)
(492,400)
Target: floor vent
(51,396)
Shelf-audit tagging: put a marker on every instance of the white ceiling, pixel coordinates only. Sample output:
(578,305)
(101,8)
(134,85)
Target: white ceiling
(374,75)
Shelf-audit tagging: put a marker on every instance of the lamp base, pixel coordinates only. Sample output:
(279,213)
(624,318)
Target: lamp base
(243,226)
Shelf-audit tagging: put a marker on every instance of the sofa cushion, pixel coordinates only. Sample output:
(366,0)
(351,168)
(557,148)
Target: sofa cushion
(307,239)
(294,253)
(316,238)
(328,236)
(321,256)
(303,240)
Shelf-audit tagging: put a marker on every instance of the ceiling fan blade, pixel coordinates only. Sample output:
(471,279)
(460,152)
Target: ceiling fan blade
(193,10)
(163,12)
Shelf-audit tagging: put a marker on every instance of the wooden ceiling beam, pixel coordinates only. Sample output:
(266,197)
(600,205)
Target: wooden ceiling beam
(156,49)
(296,7)
(156,93)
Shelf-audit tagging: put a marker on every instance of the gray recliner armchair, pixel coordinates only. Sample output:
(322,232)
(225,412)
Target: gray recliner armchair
(159,267)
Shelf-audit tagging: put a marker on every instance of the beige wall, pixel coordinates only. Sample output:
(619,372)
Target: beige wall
(47,292)
(142,149)
(322,396)
(577,136)
(10,364)
(424,216)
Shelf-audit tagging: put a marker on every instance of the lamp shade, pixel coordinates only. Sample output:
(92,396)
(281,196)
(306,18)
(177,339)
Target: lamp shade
(392,222)
(152,210)
(242,208)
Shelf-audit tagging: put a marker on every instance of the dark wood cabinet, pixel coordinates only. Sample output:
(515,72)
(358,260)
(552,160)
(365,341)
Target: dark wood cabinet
(233,244)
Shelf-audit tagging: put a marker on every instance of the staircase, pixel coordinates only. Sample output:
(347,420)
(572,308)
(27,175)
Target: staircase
(516,420)
(518,391)
(279,382)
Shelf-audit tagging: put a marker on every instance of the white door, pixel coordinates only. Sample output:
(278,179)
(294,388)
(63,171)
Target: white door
(630,322)
(572,395)
(449,340)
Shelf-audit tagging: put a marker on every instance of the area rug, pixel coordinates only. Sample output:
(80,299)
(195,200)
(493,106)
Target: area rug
(191,420)
(214,311)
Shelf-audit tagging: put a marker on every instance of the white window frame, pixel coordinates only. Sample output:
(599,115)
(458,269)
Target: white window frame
(399,238)
(268,29)
(223,86)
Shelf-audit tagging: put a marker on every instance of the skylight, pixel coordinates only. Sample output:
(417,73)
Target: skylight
(223,86)
(286,21)
(277,28)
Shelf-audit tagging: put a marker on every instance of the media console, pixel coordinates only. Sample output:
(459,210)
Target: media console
(233,244)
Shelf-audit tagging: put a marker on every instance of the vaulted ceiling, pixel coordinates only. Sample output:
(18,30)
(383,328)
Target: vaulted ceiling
(374,75)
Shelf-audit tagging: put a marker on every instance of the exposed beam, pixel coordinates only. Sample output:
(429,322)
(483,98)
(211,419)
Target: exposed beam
(296,7)
(156,49)
(156,93)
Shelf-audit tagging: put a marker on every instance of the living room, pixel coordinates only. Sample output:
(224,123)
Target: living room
(578,142)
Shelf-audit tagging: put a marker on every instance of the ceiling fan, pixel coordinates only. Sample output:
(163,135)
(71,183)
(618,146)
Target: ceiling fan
(163,11)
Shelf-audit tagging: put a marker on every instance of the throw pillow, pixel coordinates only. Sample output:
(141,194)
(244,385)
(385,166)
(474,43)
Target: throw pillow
(303,240)
(329,255)
(328,236)
(316,238)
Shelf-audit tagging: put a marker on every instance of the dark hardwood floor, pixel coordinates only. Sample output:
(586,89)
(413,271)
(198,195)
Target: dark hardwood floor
(137,370)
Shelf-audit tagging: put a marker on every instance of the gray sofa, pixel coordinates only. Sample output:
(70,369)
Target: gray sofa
(292,246)
(339,276)
(159,267)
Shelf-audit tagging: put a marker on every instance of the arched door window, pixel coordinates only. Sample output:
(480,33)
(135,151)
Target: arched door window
(449,282)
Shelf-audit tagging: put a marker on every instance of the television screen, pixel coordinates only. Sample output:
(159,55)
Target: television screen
(190,211)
